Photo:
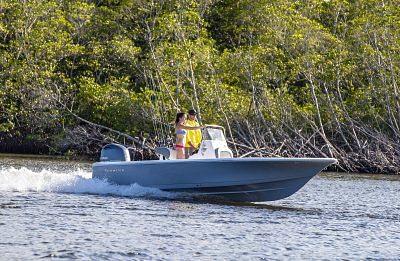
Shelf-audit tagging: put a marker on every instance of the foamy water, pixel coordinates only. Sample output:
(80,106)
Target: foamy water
(53,209)
(77,182)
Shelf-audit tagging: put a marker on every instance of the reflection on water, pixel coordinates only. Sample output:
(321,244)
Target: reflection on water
(359,176)
(257,205)
(53,209)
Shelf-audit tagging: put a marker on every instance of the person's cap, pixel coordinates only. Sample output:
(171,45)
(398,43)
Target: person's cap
(192,112)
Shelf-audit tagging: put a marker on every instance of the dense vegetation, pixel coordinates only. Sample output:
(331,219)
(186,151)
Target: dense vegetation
(288,78)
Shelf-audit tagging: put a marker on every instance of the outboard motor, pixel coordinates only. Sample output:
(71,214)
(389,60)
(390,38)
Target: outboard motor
(114,152)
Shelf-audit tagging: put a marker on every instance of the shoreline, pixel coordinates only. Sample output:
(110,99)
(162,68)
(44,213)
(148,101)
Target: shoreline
(84,159)
(47,157)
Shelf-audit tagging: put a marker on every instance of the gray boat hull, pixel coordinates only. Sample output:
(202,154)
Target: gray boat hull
(234,179)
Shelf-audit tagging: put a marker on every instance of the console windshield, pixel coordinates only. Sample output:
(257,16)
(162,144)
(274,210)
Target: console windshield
(213,134)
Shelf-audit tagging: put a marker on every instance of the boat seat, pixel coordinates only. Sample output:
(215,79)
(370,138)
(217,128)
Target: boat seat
(163,151)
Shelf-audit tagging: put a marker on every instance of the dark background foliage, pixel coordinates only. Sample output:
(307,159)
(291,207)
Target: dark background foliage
(302,78)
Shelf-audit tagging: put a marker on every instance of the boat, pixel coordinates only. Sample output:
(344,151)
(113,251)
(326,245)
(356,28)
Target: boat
(211,172)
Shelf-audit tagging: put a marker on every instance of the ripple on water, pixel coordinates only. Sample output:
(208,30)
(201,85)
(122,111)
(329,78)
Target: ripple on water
(61,213)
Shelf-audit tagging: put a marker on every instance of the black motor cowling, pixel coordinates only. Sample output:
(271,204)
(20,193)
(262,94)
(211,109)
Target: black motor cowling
(114,152)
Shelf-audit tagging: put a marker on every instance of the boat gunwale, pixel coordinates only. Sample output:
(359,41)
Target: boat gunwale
(217,160)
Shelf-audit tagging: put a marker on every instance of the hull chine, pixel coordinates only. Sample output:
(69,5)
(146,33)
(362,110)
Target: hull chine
(258,192)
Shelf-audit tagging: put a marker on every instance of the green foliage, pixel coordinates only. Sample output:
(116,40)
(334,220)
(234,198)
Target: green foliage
(133,64)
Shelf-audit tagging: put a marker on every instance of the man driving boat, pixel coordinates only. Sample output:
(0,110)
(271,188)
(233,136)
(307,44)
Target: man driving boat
(193,137)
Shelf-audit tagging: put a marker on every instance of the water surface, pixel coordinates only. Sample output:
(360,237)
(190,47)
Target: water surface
(53,209)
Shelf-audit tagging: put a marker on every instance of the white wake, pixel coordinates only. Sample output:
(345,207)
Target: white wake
(77,182)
